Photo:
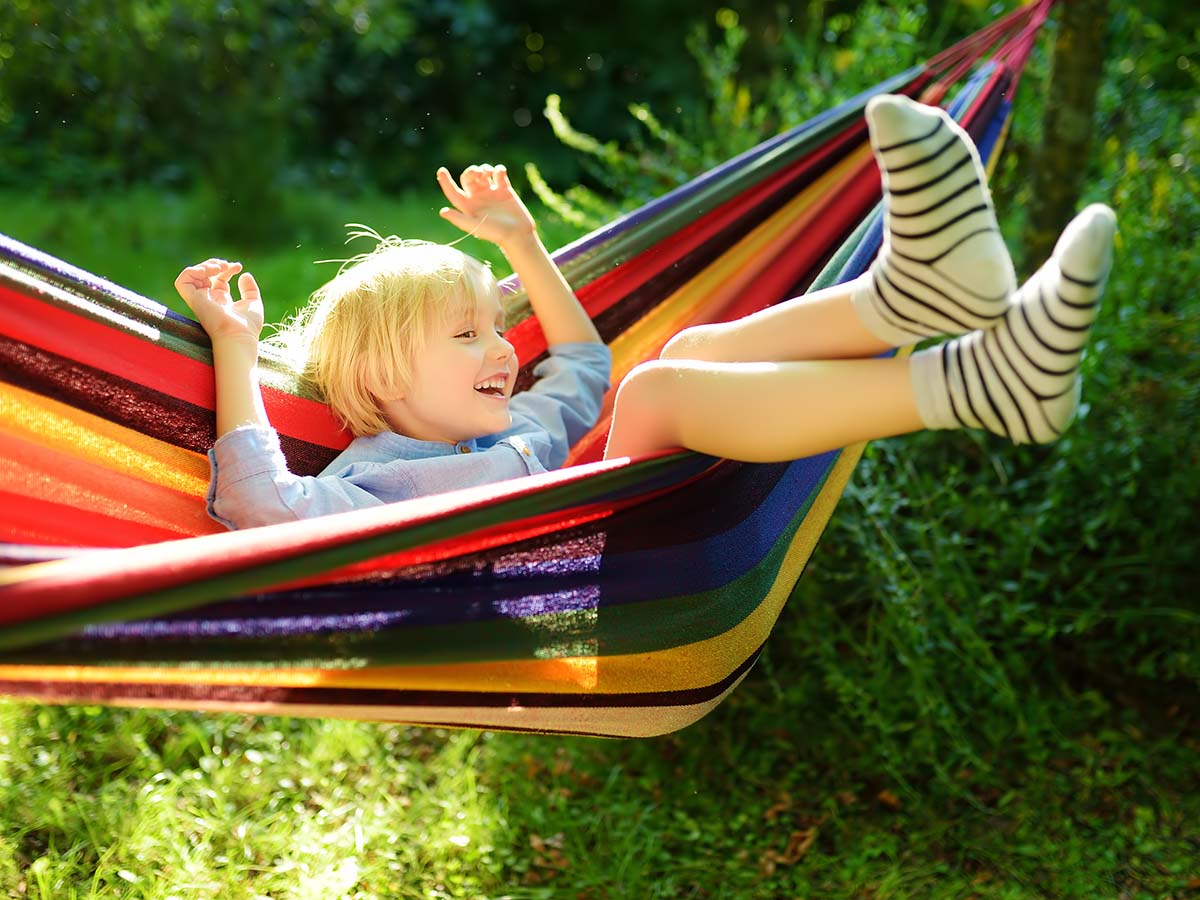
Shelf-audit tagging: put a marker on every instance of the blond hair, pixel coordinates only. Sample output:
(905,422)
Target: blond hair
(356,340)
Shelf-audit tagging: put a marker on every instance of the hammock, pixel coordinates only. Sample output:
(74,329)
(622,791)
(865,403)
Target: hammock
(608,598)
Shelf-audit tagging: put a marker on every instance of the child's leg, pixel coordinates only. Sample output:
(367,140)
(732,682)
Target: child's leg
(943,268)
(821,325)
(1019,379)
(761,411)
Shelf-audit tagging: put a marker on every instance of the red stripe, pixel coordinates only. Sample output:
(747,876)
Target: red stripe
(91,580)
(28,520)
(973,45)
(109,349)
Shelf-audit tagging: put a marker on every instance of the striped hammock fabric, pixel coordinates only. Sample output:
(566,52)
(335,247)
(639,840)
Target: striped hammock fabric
(609,598)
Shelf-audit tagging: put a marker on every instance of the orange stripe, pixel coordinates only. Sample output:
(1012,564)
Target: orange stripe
(38,472)
(72,432)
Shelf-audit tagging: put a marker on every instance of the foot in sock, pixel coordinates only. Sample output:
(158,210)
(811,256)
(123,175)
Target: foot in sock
(1020,379)
(943,267)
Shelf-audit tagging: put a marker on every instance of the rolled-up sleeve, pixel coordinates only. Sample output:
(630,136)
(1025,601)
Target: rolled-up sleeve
(566,399)
(251,484)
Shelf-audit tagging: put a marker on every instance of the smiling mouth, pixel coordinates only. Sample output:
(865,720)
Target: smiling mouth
(493,387)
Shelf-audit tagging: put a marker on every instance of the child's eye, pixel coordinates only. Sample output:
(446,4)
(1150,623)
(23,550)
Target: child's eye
(468,334)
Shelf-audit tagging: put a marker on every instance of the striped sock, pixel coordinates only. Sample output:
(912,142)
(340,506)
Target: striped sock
(1020,379)
(943,267)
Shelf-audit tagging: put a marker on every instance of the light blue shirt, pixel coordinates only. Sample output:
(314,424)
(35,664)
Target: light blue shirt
(251,484)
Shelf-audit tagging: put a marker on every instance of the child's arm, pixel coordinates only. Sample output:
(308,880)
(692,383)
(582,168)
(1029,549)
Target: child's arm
(233,326)
(486,206)
(251,484)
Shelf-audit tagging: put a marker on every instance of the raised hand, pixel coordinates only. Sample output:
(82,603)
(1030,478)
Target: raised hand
(485,205)
(205,289)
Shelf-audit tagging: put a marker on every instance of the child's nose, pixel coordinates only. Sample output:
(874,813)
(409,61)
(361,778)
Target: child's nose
(501,347)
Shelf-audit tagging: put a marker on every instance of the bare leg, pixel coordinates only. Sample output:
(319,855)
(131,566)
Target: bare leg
(1019,379)
(822,325)
(942,269)
(761,412)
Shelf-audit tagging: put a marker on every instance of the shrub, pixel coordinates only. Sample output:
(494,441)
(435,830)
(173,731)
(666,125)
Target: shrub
(971,598)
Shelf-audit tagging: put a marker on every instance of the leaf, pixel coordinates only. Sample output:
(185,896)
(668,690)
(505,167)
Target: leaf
(888,799)
(774,812)
(798,845)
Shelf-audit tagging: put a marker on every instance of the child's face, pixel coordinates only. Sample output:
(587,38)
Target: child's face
(462,377)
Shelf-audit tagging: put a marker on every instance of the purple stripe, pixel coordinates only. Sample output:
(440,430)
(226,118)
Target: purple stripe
(62,272)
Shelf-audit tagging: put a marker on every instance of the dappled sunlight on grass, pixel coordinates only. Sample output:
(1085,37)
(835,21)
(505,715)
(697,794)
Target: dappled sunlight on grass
(767,796)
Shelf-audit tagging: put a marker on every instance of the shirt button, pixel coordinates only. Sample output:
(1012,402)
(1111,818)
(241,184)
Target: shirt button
(526,451)
(464,449)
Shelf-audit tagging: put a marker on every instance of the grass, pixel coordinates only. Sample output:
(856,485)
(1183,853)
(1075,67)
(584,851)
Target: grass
(906,733)
(142,237)
(748,803)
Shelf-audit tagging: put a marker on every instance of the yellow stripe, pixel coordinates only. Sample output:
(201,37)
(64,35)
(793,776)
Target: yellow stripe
(621,721)
(81,435)
(994,158)
(740,264)
(29,470)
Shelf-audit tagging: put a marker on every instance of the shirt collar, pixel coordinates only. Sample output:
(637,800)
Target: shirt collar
(390,445)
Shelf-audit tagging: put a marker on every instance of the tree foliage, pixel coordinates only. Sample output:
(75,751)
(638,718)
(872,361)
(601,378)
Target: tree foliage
(95,93)
(792,74)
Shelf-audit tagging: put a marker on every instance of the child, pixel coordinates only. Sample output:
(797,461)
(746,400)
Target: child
(790,381)
(407,346)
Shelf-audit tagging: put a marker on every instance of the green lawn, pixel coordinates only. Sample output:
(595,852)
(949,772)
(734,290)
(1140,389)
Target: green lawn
(762,799)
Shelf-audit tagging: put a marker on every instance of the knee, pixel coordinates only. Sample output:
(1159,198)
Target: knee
(646,389)
(642,421)
(691,343)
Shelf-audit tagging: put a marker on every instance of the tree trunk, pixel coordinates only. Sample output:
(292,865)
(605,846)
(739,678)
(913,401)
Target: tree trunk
(1060,164)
